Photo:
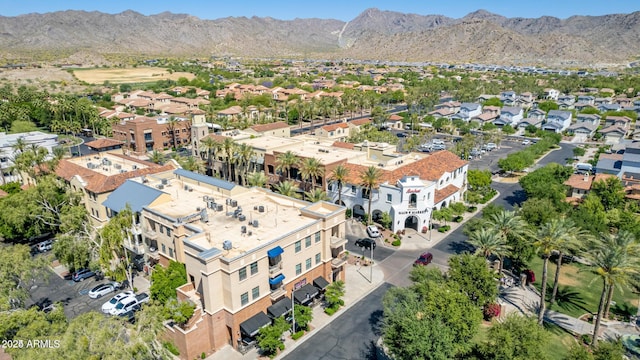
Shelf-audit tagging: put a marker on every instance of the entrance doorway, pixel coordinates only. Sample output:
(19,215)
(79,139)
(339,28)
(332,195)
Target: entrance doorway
(411,222)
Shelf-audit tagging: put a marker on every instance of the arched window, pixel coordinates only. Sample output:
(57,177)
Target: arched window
(413,200)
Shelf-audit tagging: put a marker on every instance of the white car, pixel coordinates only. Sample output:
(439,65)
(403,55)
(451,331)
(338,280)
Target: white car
(373,231)
(526,142)
(106,307)
(129,303)
(101,290)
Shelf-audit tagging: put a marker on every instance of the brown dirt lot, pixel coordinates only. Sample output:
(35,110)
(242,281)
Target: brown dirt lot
(131,75)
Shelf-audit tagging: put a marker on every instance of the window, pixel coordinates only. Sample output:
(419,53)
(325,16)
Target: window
(170,252)
(307,264)
(389,198)
(307,241)
(317,235)
(242,273)
(317,258)
(161,229)
(244,299)
(353,189)
(298,246)
(168,232)
(298,269)
(164,248)
(255,292)
(254,268)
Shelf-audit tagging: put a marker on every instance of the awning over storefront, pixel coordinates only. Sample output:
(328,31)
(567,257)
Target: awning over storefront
(281,307)
(276,280)
(251,326)
(305,294)
(320,283)
(275,252)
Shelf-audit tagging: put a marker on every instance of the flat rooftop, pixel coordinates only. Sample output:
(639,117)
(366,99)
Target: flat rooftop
(275,215)
(109,164)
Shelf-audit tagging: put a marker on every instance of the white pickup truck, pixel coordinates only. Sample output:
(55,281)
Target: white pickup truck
(129,303)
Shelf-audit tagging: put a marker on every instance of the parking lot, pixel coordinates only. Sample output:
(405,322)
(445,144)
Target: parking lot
(489,160)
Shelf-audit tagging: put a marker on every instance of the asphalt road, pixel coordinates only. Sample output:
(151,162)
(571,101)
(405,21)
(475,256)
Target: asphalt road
(353,334)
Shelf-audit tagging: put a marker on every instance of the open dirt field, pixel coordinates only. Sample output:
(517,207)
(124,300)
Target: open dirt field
(132,75)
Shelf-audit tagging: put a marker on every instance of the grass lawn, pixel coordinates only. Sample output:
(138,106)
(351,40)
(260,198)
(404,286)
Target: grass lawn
(579,293)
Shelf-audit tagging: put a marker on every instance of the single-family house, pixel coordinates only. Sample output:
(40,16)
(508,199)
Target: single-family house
(358,124)
(593,119)
(602,100)
(557,121)
(484,97)
(582,131)
(579,185)
(524,123)
(451,106)
(622,121)
(613,134)
(509,115)
(339,131)
(394,122)
(537,114)
(468,111)
(551,94)
(609,107)
(586,99)
(566,102)
(508,98)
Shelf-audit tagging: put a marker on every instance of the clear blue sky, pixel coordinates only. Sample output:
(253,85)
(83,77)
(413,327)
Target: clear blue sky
(326,9)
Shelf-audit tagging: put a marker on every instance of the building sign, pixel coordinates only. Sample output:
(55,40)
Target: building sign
(412,212)
(413,191)
(299,284)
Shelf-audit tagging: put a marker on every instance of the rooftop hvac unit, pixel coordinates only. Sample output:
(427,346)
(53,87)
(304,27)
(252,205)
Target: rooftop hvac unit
(255,207)
(186,187)
(243,229)
(190,189)
(227,245)
(91,165)
(117,166)
(233,203)
(160,186)
(165,181)
(122,171)
(204,216)
(218,207)
(227,201)
(249,233)
(134,167)
(242,217)
(106,161)
(211,204)
(261,208)
(254,223)
(205,198)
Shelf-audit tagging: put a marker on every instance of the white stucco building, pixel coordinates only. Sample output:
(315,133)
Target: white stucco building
(7,151)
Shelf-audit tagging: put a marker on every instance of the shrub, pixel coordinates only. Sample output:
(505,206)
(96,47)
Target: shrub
(490,311)
(172,348)
(330,311)
(396,243)
(472,209)
(203,355)
(585,339)
(444,228)
(298,335)
(458,218)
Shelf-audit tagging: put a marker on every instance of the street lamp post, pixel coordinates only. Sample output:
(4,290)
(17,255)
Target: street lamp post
(293,310)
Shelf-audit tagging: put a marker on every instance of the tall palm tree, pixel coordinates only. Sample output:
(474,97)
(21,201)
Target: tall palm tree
(370,179)
(568,244)
(192,163)
(509,226)
(172,123)
(245,153)
(285,161)
(311,168)
(228,148)
(209,146)
(157,157)
(615,261)
(548,238)
(287,188)
(487,242)
(315,195)
(258,179)
(339,175)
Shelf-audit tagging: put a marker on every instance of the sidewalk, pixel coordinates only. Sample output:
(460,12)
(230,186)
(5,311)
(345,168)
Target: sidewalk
(357,285)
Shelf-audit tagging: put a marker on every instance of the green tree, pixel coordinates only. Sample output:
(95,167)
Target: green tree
(286,161)
(303,316)
(316,195)
(334,293)
(258,179)
(310,169)
(570,243)
(493,102)
(537,211)
(178,311)
(287,188)
(473,277)
(165,281)
(548,105)
(369,179)
(157,157)
(590,215)
(339,176)
(479,179)
(610,191)
(516,338)
(487,241)
(18,271)
(269,337)
(508,129)
(513,229)
(578,151)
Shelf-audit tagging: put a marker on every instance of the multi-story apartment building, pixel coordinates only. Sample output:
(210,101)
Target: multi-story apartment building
(247,252)
(143,134)
(98,175)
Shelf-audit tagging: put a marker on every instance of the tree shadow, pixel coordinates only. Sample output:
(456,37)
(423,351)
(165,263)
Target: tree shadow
(375,321)
(516,198)
(567,298)
(459,247)
(554,328)
(370,351)
(624,310)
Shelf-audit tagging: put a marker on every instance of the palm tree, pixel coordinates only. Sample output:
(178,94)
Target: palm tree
(487,242)
(567,244)
(245,153)
(285,161)
(311,168)
(258,179)
(615,261)
(339,175)
(316,195)
(370,178)
(192,163)
(157,157)
(287,188)
(209,146)
(172,123)
(228,147)
(548,238)
(509,226)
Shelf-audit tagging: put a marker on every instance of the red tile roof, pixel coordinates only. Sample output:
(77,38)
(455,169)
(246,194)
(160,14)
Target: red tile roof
(444,193)
(333,127)
(344,145)
(103,143)
(360,122)
(271,126)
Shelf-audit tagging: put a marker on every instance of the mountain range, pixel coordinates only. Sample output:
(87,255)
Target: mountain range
(481,37)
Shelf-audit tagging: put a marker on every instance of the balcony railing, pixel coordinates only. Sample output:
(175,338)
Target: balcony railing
(339,261)
(277,293)
(136,247)
(336,242)
(275,268)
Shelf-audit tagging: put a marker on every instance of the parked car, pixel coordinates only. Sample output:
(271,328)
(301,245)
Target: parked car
(106,307)
(490,146)
(424,259)
(129,303)
(130,315)
(102,290)
(366,243)
(526,142)
(438,147)
(437,142)
(373,231)
(45,246)
(80,275)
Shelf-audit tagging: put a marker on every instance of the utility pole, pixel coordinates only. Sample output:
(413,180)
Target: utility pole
(293,309)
